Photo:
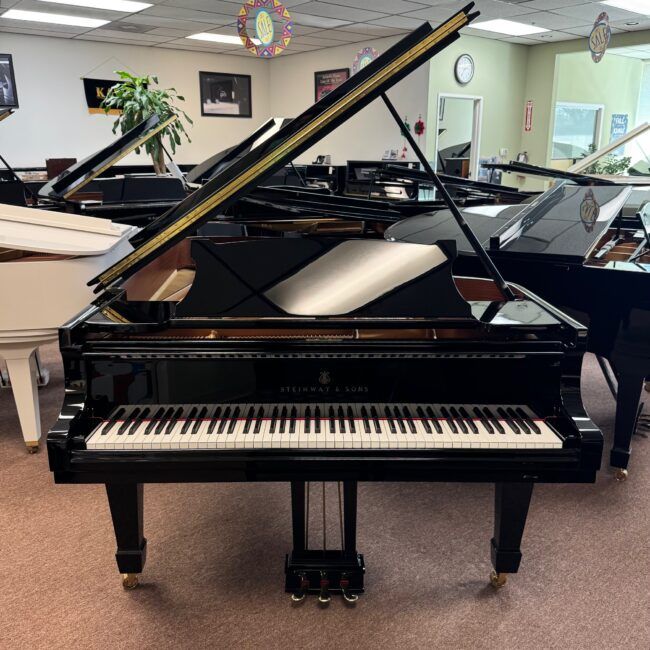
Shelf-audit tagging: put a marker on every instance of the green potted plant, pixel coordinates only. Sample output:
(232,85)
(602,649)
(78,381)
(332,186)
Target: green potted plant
(138,100)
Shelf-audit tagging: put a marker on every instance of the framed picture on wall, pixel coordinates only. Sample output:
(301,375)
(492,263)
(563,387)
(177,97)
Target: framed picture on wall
(326,80)
(8,94)
(225,95)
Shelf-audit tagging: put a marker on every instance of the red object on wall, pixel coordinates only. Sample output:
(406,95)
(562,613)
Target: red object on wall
(528,119)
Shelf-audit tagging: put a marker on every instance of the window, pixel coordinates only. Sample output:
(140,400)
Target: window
(577,128)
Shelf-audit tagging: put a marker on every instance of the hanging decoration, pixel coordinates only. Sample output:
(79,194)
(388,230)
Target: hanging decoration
(404,130)
(272,26)
(363,58)
(418,128)
(599,38)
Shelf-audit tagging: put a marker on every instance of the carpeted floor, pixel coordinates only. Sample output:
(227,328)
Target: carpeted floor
(214,573)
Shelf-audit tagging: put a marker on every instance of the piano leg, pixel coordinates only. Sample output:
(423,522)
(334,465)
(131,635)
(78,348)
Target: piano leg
(630,386)
(22,375)
(511,504)
(125,502)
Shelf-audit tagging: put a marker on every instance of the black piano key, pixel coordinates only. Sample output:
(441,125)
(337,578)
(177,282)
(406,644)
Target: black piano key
(423,420)
(389,419)
(351,425)
(450,421)
(493,419)
(332,417)
(509,422)
(307,420)
(293,416)
(365,416)
(153,423)
(375,419)
(234,420)
(139,420)
(459,419)
(163,421)
(128,421)
(483,420)
(224,421)
(468,418)
(317,419)
(433,417)
(213,420)
(113,419)
(399,419)
(259,418)
(189,420)
(341,418)
(274,419)
(249,419)
(199,419)
(531,423)
(171,423)
(409,419)
(520,423)
(283,419)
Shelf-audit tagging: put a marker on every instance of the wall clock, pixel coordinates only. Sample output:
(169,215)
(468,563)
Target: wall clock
(464,69)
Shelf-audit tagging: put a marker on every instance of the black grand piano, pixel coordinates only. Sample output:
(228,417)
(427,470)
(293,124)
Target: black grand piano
(314,358)
(574,246)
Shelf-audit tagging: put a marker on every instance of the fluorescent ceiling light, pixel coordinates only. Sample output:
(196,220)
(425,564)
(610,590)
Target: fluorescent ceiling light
(221,38)
(54,19)
(127,6)
(509,27)
(635,6)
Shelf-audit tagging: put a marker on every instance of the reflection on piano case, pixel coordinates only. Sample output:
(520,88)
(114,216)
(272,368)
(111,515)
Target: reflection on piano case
(310,358)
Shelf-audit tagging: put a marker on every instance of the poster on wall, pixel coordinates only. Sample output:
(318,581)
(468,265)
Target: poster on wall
(96,91)
(8,94)
(618,129)
(327,80)
(225,95)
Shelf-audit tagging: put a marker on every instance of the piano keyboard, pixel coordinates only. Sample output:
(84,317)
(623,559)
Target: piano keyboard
(323,426)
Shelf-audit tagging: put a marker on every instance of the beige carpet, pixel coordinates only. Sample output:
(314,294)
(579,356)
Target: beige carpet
(214,574)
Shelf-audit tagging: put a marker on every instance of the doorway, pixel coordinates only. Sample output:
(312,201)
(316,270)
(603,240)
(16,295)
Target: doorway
(458,135)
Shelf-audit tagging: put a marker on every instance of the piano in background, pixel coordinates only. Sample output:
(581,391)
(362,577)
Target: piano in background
(572,247)
(46,259)
(318,359)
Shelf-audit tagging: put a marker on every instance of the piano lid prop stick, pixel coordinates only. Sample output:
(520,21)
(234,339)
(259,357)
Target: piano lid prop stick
(464,226)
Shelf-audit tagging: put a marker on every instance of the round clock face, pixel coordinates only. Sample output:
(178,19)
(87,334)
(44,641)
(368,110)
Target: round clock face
(464,69)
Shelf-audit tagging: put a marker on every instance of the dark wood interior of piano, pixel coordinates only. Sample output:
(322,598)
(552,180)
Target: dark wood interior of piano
(169,277)
(625,247)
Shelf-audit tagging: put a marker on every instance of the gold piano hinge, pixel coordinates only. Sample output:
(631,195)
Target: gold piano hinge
(112,315)
(133,147)
(453,25)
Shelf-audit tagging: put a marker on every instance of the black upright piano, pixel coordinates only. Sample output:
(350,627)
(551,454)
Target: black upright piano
(312,358)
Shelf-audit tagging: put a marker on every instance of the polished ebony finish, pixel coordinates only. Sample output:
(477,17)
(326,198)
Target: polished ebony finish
(558,246)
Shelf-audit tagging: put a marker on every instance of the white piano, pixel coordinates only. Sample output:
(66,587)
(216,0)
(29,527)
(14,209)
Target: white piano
(46,259)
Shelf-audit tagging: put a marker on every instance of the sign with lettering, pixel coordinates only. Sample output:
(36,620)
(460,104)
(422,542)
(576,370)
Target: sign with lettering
(599,38)
(327,80)
(363,58)
(618,129)
(272,26)
(528,117)
(95,91)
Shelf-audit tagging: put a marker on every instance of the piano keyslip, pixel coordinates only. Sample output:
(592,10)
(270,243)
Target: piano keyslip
(324,426)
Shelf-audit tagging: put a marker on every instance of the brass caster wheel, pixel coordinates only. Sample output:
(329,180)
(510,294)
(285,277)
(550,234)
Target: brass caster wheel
(129,580)
(350,598)
(32,447)
(324,599)
(298,598)
(498,580)
(620,474)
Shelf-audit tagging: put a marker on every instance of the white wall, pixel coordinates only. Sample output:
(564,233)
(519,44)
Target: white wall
(53,120)
(371,131)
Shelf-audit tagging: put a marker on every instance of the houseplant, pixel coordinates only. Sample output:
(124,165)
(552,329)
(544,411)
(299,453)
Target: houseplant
(137,100)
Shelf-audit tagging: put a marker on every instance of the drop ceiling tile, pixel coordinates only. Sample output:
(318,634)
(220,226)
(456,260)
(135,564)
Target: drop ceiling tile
(589,12)
(8,24)
(375,31)
(643,22)
(551,37)
(551,4)
(122,41)
(35,32)
(519,40)
(169,31)
(387,6)
(159,21)
(114,34)
(213,6)
(319,22)
(585,31)
(181,13)
(339,12)
(489,9)
(68,10)
(551,20)
(312,39)
(338,35)
(401,22)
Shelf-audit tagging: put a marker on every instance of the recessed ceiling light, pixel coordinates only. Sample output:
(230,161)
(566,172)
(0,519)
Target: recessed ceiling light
(509,27)
(221,38)
(127,6)
(54,19)
(635,6)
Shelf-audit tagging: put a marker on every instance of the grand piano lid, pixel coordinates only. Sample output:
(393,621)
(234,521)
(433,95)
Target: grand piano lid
(43,231)
(208,168)
(80,174)
(293,139)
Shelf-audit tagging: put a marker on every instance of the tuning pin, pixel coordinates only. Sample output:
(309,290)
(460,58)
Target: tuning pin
(299,596)
(324,597)
(345,584)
